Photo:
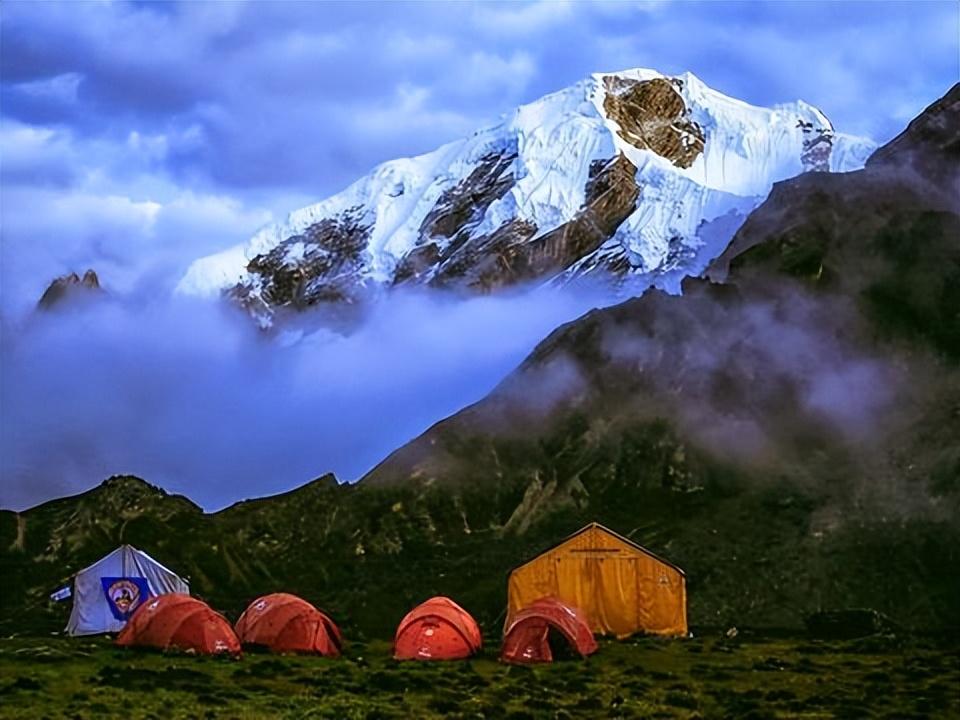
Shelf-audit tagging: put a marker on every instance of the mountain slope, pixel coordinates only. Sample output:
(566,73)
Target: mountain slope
(820,262)
(824,368)
(615,174)
(787,436)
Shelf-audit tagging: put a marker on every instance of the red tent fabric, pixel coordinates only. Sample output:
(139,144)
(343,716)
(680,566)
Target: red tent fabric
(286,623)
(526,638)
(179,621)
(437,629)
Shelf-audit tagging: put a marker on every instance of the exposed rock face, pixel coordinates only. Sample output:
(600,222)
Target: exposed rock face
(451,222)
(817,146)
(323,263)
(487,261)
(318,265)
(653,116)
(508,256)
(68,287)
(465,204)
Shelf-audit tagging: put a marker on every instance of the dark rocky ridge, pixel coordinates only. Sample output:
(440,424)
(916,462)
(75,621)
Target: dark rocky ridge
(464,204)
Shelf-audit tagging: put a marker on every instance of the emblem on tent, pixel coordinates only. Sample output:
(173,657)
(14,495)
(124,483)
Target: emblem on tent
(124,594)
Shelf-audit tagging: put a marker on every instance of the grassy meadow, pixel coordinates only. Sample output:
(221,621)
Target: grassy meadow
(708,676)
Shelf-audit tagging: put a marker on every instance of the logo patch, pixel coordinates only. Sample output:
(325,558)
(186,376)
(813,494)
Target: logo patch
(124,594)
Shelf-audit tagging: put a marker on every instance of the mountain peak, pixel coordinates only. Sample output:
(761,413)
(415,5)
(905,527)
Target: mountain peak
(622,174)
(67,286)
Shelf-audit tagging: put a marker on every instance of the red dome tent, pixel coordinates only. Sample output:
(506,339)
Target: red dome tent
(527,638)
(438,629)
(179,621)
(285,623)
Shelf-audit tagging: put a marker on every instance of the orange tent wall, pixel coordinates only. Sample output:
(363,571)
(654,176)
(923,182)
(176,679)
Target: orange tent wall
(621,588)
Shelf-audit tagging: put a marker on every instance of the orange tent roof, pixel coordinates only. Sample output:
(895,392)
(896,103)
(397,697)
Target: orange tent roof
(437,629)
(179,621)
(526,638)
(286,623)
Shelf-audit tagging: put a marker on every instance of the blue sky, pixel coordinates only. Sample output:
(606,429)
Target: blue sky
(138,136)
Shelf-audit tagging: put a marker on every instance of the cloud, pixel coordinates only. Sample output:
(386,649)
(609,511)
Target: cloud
(138,245)
(35,156)
(188,395)
(769,381)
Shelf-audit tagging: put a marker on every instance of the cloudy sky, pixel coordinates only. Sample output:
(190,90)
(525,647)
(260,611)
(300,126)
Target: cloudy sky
(136,137)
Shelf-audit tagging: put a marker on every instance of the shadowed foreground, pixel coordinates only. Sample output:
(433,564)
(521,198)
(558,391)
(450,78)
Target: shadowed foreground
(711,676)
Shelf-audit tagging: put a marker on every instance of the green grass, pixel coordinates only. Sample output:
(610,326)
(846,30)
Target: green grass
(709,676)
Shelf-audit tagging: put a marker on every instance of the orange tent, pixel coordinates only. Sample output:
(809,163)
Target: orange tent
(527,638)
(286,623)
(437,629)
(179,621)
(621,588)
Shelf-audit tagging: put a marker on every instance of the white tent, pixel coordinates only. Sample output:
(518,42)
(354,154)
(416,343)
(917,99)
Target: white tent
(106,593)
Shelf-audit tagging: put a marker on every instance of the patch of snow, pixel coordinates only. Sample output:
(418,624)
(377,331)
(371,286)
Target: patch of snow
(209,275)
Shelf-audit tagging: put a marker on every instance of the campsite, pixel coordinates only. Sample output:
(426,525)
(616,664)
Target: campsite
(178,657)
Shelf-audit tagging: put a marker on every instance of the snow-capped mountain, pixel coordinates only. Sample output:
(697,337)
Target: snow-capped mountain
(634,174)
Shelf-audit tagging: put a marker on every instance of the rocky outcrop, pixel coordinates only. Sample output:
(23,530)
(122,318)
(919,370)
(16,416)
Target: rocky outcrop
(323,263)
(652,116)
(817,146)
(512,254)
(465,203)
(446,251)
(318,265)
(485,262)
(70,287)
